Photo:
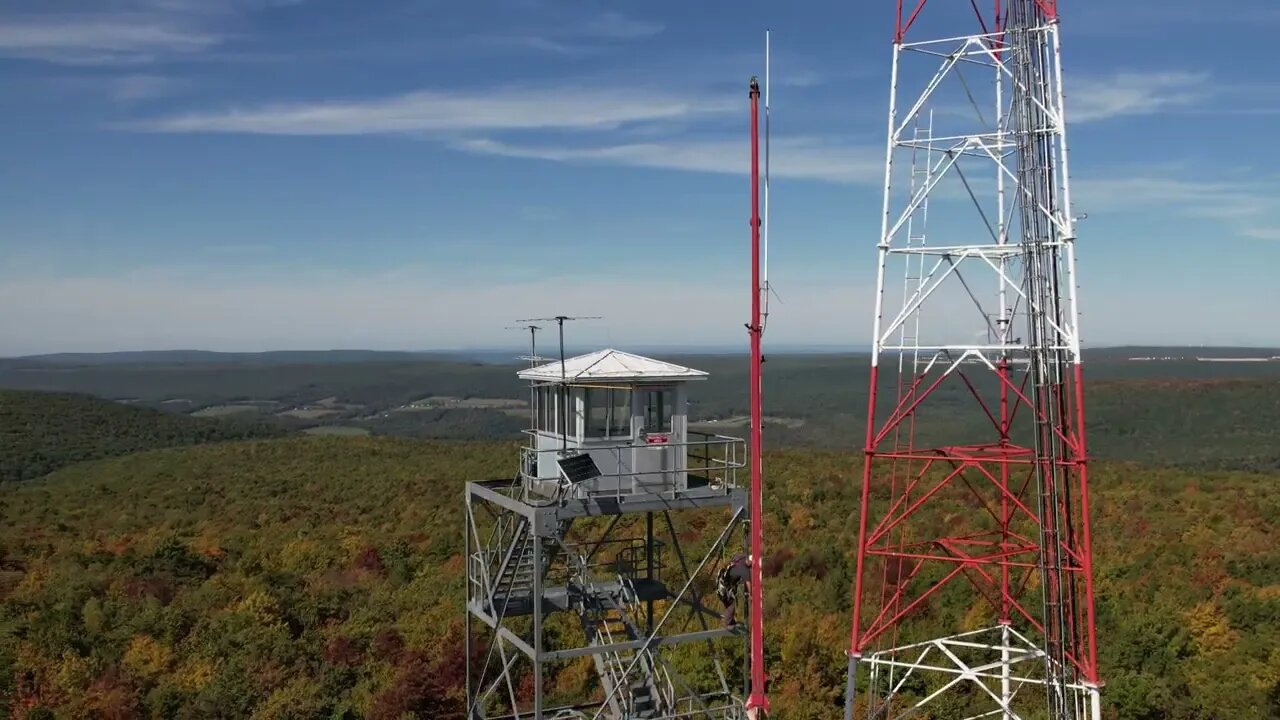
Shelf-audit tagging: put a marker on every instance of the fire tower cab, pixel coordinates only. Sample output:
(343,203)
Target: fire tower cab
(629,415)
(610,440)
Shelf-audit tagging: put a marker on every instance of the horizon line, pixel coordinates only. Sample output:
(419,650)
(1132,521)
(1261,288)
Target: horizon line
(720,348)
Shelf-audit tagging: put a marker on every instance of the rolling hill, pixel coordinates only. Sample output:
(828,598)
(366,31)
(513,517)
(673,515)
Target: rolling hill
(41,432)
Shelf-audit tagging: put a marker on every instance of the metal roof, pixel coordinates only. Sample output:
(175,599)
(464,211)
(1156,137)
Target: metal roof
(611,364)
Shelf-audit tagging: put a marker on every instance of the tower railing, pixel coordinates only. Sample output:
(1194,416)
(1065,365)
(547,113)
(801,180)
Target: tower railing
(711,462)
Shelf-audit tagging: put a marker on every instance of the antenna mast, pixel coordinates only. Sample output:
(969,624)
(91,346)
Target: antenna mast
(764,269)
(532,357)
(533,362)
(559,320)
(758,702)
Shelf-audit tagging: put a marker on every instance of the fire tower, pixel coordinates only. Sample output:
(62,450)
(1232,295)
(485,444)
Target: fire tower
(585,576)
(974,591)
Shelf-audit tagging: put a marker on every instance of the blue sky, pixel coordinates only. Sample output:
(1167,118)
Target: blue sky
(255,174)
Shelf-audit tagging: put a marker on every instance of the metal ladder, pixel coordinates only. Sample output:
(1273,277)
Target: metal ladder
(917,238)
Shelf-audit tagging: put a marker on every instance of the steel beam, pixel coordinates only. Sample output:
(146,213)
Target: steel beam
(656,641)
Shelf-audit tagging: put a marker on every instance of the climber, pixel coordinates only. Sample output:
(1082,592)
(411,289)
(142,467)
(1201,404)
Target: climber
(737,571)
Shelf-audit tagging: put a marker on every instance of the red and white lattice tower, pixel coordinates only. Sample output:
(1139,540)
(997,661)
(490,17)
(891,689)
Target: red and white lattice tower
(974,591)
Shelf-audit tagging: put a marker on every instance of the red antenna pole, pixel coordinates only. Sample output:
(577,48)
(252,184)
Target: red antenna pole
(757,702)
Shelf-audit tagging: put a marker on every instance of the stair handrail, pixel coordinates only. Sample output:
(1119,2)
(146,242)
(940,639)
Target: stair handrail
(618,671)
(659,678)
(612,661)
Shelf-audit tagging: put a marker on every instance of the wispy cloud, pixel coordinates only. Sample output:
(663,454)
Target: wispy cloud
(427,111)
(576,35)
(480,121)
(1093,98)
(100,39)
(125,32)
(1221,200)
(1262,233)
(804,158)
(1245,209)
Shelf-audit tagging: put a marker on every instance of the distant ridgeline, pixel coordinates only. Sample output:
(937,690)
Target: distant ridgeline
(43,431)
(1162,405)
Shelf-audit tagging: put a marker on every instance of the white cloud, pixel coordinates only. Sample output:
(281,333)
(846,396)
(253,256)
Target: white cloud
(123,32)
(803,158)
(519,108)
(99,39)
(1096,98)
(1262,233)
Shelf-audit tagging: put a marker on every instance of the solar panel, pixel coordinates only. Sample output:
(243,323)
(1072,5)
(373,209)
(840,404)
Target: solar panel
(579,468)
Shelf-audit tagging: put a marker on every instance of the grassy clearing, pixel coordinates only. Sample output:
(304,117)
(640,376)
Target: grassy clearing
(337,431)
(308,413)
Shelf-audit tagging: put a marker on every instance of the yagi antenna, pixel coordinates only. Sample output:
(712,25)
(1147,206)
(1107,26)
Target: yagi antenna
(532,357)
(560,320)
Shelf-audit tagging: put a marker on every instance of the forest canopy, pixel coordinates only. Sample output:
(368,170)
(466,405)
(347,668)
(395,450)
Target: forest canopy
(322,577)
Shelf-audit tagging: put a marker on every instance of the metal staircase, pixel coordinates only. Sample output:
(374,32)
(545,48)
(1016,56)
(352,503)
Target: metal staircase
(512,586)
(634,681)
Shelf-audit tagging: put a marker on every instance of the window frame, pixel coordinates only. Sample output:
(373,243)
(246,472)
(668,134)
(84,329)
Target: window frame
(549,410)
(608,399)
(668,404)
(624,431)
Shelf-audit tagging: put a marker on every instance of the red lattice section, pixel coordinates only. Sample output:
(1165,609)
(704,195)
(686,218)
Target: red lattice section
(994,535)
